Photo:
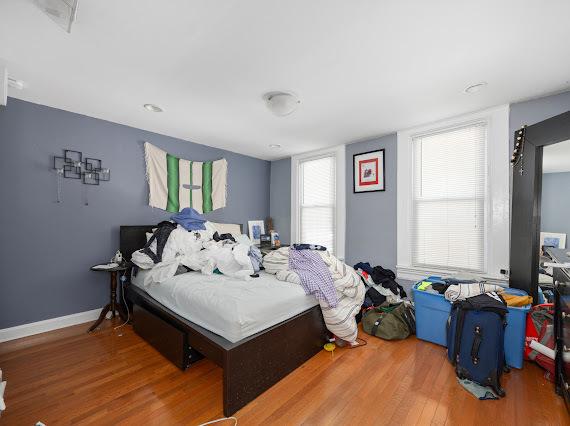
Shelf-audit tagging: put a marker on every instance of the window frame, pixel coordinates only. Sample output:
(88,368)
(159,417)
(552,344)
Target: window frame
(339,154)
(497,201)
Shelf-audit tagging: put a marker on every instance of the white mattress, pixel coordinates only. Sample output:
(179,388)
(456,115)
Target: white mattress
(232,308)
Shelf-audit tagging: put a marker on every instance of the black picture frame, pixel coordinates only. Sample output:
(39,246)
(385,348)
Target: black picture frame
(383,151)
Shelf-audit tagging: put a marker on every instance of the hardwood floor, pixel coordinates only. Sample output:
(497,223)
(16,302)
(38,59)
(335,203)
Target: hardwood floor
(114,377)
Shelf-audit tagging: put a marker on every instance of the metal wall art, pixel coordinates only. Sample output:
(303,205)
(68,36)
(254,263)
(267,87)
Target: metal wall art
(89,170)
(72,165)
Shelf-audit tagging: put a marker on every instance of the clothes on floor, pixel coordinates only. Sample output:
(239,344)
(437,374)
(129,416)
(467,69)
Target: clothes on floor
(365,266)
(308,247)
(373,298)
(189,219)
(478,391)
(315,277)
(518,301)
(382,277)
(369,283)
(463,291)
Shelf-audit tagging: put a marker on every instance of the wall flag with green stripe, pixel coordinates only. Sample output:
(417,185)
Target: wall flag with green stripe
(175,183)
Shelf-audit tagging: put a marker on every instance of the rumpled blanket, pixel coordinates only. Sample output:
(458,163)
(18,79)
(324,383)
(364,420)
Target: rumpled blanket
(350,290)
(196,250)
(463,291)
(315,276)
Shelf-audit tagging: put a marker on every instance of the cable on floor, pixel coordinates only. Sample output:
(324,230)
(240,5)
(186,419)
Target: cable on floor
(221,420)
(123,279)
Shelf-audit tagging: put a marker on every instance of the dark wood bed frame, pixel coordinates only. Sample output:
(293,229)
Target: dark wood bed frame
(250,366)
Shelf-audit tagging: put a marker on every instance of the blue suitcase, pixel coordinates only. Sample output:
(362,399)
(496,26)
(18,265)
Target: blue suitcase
(475,339)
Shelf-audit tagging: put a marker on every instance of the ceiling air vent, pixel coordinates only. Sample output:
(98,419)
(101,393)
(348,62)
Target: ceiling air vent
(62,12)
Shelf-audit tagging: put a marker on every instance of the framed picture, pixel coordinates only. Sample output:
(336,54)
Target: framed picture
(368,171)
(552,239)
(256,228)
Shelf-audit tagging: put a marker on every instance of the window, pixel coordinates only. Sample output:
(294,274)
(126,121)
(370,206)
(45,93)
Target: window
(318,199)
(449,197)
(453,197)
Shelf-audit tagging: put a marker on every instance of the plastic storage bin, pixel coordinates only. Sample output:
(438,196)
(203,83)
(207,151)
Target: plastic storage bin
(432,311)
(516,331)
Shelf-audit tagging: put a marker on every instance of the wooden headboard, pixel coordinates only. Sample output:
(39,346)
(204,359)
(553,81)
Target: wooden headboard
(133,237)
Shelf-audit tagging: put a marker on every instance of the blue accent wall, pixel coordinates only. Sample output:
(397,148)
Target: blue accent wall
(280,198)
(555,204)
(371,217)
(47,248)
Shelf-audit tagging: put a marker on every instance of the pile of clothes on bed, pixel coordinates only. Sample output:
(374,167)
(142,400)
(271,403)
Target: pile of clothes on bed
(190,243)
(336,286)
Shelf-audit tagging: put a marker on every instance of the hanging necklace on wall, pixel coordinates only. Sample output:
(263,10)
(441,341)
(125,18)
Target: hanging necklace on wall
(518,153)
(59,177)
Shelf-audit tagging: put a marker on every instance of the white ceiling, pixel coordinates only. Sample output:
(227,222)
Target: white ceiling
(361,68)
(556,158)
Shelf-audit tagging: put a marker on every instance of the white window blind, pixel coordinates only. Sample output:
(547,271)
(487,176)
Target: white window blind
(317,201)
(449,198)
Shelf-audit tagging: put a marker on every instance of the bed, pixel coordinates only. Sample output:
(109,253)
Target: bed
(263,342)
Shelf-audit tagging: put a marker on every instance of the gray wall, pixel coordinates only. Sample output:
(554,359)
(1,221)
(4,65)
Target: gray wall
(556,203)
(533,111)
(280,198)
(47,248)
(371,217)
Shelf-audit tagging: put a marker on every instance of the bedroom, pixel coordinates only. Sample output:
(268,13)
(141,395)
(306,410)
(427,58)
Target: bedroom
(330,116)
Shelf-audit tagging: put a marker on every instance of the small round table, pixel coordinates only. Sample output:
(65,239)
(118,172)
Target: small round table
(113,306)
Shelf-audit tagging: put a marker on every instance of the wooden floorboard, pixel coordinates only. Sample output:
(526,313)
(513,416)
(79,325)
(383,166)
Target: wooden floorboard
(114,377)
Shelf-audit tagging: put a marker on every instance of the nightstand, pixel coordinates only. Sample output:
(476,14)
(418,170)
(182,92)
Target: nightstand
(113,306)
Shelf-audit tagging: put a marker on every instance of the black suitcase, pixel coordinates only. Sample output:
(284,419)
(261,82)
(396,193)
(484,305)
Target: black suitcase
(475,339)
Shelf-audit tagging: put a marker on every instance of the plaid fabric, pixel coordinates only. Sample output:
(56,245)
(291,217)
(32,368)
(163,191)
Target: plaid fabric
(314,274)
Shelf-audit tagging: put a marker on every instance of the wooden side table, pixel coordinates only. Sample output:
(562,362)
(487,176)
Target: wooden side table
(113,306)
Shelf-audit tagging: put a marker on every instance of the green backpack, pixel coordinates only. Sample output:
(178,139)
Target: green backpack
(393,322)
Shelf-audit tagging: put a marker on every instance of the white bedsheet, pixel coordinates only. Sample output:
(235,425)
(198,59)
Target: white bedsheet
(233,308)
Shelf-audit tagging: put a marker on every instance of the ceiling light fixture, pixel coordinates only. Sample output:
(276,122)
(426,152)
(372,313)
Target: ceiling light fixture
(281,103)
(474,88)
(275,146)
(153,108)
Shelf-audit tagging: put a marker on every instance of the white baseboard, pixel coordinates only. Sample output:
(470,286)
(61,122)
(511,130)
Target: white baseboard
(47,325)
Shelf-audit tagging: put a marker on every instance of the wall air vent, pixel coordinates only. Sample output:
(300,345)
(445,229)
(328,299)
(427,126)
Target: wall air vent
(3,83)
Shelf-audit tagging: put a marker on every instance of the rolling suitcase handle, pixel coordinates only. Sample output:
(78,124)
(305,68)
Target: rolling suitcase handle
(476,345)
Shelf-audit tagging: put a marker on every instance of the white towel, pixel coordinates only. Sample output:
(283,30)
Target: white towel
(463,291)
